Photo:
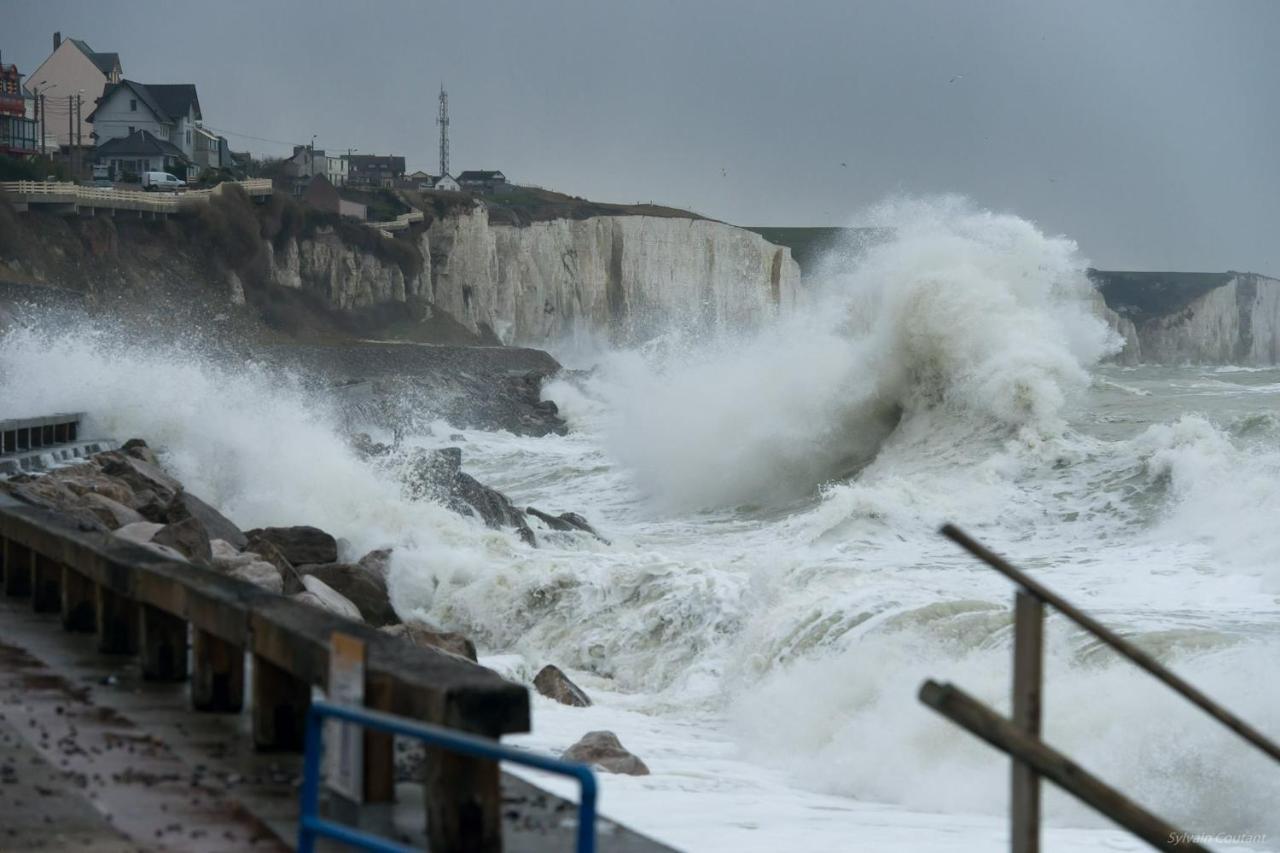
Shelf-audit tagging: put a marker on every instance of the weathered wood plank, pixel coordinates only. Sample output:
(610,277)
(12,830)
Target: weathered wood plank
(965,711)
(1028,662)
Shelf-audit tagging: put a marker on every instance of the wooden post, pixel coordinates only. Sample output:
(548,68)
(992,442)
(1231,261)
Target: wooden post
(46,583)
(379,747)
(464,804)
(1028,665)
(163,645)
(280,703)
(79,602)
(117,622)
(17,574)
(218,681)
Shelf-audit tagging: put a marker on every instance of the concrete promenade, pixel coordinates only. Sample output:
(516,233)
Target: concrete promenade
(94,757)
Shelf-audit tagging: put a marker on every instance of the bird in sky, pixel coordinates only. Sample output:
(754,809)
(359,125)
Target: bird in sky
(955,78)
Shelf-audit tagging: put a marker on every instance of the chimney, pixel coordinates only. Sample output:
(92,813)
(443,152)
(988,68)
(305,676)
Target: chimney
(57,40)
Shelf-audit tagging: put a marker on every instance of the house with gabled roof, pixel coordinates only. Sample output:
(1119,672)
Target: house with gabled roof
(127,157)
(167,111)
(483,181)
(71,68)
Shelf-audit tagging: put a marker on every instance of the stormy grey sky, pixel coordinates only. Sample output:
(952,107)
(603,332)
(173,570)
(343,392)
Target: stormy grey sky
(1148,131)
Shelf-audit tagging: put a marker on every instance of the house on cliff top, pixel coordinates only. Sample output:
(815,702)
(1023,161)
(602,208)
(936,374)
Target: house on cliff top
(323,195)
(167,111)
(485,182)
(141,151)
(373,170)
(73,67)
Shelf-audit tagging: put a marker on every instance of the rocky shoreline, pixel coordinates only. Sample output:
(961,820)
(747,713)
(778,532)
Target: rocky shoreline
(128,494)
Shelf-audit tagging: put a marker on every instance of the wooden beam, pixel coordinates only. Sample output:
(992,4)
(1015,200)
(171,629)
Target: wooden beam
(1119,644)
(218,681)
(967,712)
(46,584)
(162,645)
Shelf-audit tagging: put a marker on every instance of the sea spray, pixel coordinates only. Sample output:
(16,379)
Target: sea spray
(974,312)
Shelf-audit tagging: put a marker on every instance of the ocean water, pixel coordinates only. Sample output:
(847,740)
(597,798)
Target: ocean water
(775,590)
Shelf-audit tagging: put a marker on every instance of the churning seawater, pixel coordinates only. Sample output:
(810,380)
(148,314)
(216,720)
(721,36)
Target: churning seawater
(775,591)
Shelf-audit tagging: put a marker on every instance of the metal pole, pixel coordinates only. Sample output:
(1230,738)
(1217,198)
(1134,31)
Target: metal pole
(71,138)
(43,125)
(79,142)
(1028,665)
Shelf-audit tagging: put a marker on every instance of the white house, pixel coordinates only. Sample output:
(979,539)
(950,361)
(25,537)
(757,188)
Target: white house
(447,184)
(168,111)
(335,170)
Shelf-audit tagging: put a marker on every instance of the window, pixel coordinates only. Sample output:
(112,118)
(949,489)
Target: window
(131,130)
(133,105)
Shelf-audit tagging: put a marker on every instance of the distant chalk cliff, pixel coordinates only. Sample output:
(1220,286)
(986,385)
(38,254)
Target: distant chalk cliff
(1193,318)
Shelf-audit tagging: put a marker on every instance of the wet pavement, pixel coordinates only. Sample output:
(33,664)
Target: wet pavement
(93,757)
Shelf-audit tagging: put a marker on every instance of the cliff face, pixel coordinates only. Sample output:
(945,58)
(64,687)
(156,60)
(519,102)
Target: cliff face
(1181,318)
(622,277)
(345,276)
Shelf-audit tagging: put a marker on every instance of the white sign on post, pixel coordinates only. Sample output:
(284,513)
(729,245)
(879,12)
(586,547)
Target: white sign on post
(344,742)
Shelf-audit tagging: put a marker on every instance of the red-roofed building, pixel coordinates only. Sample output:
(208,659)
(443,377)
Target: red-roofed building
(17,132)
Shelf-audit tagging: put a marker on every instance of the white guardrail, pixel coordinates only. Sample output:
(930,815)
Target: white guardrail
(55,192)
(400,223)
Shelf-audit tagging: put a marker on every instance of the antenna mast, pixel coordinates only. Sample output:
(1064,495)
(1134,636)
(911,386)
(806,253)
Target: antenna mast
(443,121)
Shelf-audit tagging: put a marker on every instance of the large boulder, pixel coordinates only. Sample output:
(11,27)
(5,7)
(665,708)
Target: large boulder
(424,637)
(378,562)
(87,478)
(566,521)
(140,532)
(437,475)
(111,513)
(187,505)
(554,684)
(317,593)
(365,588)
(603,749)
(138,449)
(188,537)
(139,475)
(299,545)
(246,566)
(143,533)
(259,573)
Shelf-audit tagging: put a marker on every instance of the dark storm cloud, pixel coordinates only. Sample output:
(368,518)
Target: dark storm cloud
(1148,131)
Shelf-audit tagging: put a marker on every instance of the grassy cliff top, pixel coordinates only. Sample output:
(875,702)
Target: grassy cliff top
(524,205)
(1146,295)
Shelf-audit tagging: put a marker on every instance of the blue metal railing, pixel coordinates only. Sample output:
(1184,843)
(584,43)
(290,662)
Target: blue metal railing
(311,826)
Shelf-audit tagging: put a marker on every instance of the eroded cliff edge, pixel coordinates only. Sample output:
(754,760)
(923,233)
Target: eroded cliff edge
(457,277)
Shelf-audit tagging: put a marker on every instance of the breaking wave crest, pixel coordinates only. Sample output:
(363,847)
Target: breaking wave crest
(975,313)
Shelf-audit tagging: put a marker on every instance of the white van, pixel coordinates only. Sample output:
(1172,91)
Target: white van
(156,181)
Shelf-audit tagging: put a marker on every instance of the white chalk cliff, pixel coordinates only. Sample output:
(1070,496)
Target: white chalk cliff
(623,278)
(1235,319)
